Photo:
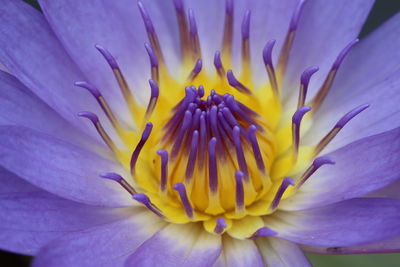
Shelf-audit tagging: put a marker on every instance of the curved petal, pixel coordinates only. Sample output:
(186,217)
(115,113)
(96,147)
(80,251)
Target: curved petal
(117,26)
(390,245)
(31,217)
(178,245)
(104,245)
(348,223)
(361,167)
(239,253)
(281,253)
(390,191)
(324,29)
(33,54)
(370,74)
(59,167)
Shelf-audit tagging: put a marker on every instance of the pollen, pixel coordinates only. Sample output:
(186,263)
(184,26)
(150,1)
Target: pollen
(216,148)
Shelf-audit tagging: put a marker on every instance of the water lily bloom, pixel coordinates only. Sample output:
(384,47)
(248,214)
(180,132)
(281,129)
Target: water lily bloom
(197,133)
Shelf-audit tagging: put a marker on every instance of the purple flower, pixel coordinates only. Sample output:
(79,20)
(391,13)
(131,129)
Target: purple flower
(217,142)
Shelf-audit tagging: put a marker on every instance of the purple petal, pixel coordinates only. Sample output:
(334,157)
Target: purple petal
(178,245)
(104,245)
(347,223)
(59,167)
(31,217)
(239,253)
(370,74)
(390,191)
(324,29)
(33,54)
(361,167)
(279,252)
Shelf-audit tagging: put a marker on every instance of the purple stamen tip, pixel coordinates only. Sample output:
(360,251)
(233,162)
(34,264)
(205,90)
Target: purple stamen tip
(220,226)
(298,115)
(179,5)
(294,22)
(217,60)
(199,65)
(146,18)
(152,55)
(91,88)
(147,131)
(142,198)
(232,79)
(112,176)
(239,189)
(263,231)
(279,194)
(108,57)
(89,115)
(212,169)
(154,89)
(180,188)
(246,25)
(343,54)
(229,7)
(306,75)
(350,115)
(192,23)
(318,162)
(200,91)
(267,52)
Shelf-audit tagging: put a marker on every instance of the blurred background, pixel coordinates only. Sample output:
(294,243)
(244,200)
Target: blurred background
(382,10)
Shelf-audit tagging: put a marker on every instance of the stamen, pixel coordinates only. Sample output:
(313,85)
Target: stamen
(339,125)
(123,85)
(304,81)
(256,148)
(218,64)
(324,89)
(262,232)
(135,155)
(183,26)
(181,135)
(151,33)
(153,62)
(153,98)
(145,200)
(317,163)
(220,226)
(196,70)
(267,56)
(296,120)
(228,29)
(119,179)
(103,104)
(212,166)
(193,35)
(285,184)
(192,157)
(287,45)
(96,122)
(236,84)
(180,188)
(164,169)
(239,152)
(246,66)
(239,208)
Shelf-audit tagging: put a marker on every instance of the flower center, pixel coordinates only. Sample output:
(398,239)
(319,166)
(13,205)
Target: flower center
(214,148)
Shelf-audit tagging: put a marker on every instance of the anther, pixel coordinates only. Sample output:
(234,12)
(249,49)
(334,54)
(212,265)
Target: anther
(317,163)
(220,226)
(278,196)
(181,135)
(135,155)
(164,169)
(228,29)
(239,208)
(192,157)
(218,64)
(145,200)
(304,81)
(262,232)
(153,62)
(96,122)
(296,120)
(183,26)
(180,188)
(212,166)
(119,179)
(196,70)
(246,45)
(193,35)
(239,152)
(324,89)
(338,126)
(256,148)
(236,84)
(153,98)
(267,56)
